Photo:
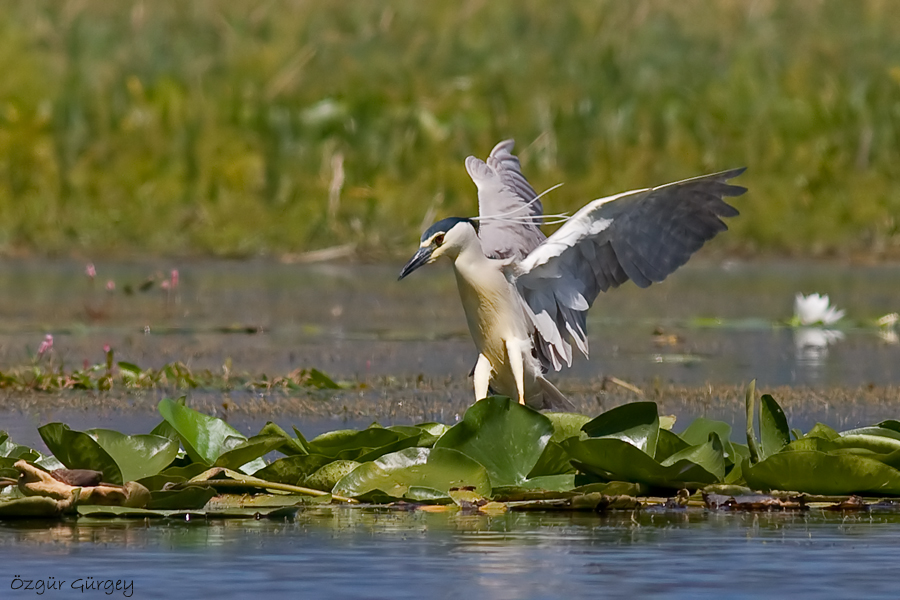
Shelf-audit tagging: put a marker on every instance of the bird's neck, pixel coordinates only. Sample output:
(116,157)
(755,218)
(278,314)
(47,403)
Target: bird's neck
(471,263)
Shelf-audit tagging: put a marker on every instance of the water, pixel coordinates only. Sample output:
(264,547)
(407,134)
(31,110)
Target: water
(347,553)
(407,342)
(359,322)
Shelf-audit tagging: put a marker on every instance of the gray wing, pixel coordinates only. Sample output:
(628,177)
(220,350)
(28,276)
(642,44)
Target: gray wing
(509,213)
(643,235)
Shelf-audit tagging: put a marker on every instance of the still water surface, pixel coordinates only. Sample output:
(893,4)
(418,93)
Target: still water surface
(347,553)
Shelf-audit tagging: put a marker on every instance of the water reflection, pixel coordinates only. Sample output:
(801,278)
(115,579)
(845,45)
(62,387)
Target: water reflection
(811,346)
(889,336)
(380,553)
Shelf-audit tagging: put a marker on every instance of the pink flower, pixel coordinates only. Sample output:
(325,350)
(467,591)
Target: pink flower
(106,348)
(46,345)
(110,286)
(174,278)
(165,284)
(90,271)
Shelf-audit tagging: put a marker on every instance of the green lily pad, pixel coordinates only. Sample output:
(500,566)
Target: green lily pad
(352,444)
(698,433)
(203,437)
(566,425)
(188,498)
(616,459)
(291,446)
(400,444)
(78,450)
(892,424)
(817,472)
(884,432)
(249,450)
(292,470)
(504,436)
(874,442)
(431,432)
(14,451)
(700,428)
(696,462)
(395,474)
(668,444)
(138,456)
(328,475)
(545,483)
(820,430)
(774,433)
(172,475)
(553,461)
(636,423)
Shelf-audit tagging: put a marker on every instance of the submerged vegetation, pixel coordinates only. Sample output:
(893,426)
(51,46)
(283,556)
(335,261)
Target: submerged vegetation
(243,128)
(500,456)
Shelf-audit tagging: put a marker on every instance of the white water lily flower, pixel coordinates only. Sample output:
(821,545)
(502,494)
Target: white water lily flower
(888,320)
(814,310)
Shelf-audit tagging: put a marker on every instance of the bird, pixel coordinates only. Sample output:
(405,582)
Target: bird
(526,295)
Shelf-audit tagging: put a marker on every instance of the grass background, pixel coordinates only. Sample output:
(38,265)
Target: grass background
(180,128)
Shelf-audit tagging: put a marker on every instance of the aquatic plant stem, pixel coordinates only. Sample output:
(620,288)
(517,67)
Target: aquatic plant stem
(751,432)
(253,482)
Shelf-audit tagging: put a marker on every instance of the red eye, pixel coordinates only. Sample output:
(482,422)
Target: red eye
(439,239)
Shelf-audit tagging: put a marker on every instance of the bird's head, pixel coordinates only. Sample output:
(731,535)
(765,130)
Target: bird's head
(447,237)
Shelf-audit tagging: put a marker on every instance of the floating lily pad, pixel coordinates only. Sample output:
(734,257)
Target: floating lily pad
(817,472)
(249,450)
(395,474)
(138,456)
(555,460)
(430,433)
(352,444)
(328,475)
(190,497)
(291,446)
(78,450)
(11,450)
(774,433)
(636,423)
(203,437)
(292,470)
(616,459)
(504,436)
(668,444)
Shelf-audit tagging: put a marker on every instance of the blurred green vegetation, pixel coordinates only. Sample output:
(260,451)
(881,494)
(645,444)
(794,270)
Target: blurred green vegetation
(237,128)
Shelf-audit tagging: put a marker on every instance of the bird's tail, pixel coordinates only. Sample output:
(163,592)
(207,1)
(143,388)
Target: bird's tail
(553,398)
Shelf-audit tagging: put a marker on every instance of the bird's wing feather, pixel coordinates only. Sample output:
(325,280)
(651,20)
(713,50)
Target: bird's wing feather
(642,235)
(505,197)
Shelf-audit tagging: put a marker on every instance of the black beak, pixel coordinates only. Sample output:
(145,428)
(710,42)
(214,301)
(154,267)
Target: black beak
(420,258)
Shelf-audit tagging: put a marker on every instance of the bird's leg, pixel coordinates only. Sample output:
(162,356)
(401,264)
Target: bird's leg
(482,376)
(517,364)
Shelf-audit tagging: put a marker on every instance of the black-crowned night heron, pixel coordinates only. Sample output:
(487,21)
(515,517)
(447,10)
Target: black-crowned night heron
(526,296)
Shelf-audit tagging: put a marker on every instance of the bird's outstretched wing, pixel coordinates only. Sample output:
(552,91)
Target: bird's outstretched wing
(643,235)
(508,209)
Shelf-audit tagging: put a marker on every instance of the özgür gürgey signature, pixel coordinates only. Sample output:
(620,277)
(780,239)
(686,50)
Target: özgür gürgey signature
(81,584)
